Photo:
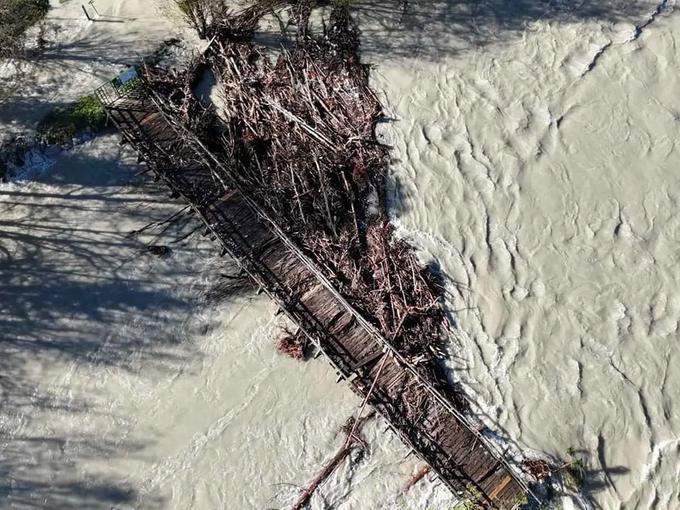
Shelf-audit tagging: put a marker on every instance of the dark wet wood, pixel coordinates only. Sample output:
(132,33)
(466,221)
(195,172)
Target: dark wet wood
(461,457)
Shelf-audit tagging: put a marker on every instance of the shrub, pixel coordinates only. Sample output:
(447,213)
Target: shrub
(63,123)
(199,14)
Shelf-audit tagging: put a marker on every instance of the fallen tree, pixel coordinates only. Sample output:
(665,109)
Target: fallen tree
(352,428)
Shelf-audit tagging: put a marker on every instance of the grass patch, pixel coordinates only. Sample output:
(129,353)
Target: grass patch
(63,123)
(574,475)
(573,471)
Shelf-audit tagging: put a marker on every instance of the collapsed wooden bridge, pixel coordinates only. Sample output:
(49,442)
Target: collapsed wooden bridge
(465,460)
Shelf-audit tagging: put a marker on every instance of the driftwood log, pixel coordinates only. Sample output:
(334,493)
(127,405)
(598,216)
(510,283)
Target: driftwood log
(352,428)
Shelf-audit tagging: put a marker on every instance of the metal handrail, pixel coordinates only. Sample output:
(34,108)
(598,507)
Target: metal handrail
(370,328)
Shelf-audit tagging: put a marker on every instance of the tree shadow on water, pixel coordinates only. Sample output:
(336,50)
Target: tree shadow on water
(429,30)
(82,302)
(42,472)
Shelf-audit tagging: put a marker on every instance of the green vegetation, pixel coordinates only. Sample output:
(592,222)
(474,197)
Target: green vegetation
(471,501)
(573,471)
(63,123)
(574,475)
(16,17)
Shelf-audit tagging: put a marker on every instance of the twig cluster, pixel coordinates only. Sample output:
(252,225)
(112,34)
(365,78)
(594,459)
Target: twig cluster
(299,131)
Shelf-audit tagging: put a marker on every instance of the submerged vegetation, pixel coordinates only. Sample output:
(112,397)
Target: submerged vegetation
(573,472)
(63,123)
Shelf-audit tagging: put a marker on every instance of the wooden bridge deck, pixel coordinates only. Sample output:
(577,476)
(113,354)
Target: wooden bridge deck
(463,458)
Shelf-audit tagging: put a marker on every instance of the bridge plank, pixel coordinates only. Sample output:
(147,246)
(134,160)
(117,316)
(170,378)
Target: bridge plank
(437,435)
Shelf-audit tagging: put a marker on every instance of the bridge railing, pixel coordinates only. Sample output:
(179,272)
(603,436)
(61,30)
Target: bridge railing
(122,85)
(212,162)
(112,91)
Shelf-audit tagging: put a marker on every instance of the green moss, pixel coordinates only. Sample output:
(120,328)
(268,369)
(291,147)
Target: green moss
(63,123)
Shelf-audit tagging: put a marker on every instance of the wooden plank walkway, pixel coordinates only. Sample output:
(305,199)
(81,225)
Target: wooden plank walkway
(463,458)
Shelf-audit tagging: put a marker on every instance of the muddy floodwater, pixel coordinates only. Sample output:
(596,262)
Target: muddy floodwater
(537,163)
(534,160)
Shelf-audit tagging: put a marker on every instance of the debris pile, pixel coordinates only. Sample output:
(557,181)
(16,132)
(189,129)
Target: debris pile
(298,132)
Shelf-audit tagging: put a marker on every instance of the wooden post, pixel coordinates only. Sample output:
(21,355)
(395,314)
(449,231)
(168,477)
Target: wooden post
(86,14)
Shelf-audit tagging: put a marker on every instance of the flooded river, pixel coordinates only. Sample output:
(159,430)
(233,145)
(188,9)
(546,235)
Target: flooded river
(535,160)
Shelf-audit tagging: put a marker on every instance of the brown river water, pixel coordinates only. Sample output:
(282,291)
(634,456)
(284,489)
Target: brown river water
(535,160)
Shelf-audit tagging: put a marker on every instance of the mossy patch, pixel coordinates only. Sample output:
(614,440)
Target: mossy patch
(65,122)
